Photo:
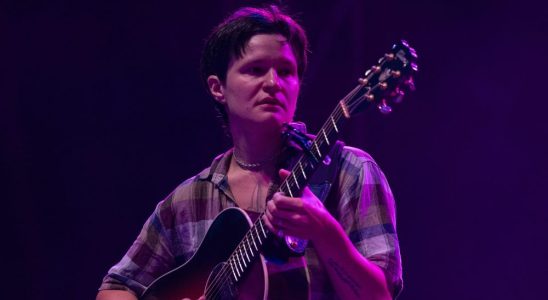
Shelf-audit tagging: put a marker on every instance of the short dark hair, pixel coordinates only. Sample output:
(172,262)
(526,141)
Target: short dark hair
(229,39)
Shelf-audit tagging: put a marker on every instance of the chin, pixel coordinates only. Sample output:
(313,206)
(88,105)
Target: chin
(274,120)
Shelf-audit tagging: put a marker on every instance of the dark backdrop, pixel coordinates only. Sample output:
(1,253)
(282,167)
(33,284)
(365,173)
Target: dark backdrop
(102,114)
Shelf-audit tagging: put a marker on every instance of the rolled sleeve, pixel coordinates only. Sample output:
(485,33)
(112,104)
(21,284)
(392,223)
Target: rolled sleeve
(368,214)
(149,256)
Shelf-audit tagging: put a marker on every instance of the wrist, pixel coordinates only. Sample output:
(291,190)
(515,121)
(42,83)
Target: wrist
(329,233)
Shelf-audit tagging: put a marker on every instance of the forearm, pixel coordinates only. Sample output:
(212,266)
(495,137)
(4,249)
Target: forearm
(115,295)
(352,275)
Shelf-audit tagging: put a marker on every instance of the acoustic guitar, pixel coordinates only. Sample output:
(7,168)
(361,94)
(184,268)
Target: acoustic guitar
(228,263)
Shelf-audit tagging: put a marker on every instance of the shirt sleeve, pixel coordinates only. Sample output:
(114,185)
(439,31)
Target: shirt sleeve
(367,214)
(148,258)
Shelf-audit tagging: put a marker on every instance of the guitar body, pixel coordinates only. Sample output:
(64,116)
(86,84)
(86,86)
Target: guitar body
(190,279)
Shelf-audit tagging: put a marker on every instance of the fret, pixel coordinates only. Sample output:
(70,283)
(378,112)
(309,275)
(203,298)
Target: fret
(246,254)
(232,269)
(334,124)
(253,239)
(236,264)
(242,256)
(296,181)
(250,248)
(302,170)
(239,264)
(288,188)
(318,150)
(256,231)
(325,137)
(262,228)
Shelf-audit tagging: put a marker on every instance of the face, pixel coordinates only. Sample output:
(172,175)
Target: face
(261,87)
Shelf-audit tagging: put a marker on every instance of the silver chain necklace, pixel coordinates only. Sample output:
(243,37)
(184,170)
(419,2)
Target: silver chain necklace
(251,166)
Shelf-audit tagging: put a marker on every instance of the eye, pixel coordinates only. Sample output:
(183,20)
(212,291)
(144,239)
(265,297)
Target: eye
(257,70)
(285,71)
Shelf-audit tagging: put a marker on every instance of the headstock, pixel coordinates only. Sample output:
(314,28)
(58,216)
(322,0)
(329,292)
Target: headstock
(386,82)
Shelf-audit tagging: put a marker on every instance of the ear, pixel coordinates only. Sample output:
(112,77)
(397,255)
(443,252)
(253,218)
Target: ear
(216,88)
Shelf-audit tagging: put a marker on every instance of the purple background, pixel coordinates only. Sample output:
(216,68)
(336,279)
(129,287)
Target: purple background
(102,114)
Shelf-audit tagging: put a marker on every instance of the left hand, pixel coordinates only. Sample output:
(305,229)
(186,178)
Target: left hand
(304,217)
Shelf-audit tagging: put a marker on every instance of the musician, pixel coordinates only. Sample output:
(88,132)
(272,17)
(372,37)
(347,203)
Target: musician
(253,65)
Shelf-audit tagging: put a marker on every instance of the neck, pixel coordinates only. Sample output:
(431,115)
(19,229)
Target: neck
(257,145)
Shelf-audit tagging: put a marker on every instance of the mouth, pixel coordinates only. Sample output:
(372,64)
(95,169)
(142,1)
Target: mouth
(271,101)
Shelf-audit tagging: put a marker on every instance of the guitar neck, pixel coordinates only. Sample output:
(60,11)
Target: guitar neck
(250,247)
(305,167)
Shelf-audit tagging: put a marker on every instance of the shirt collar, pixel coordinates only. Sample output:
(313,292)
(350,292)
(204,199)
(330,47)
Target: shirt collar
(218,170)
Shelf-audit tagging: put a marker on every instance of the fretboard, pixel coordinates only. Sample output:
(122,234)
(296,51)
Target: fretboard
(249,248)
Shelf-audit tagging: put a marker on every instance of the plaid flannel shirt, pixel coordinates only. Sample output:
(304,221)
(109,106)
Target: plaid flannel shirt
(365,208)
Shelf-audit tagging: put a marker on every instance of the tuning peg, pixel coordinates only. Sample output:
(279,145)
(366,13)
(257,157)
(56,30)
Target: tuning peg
(384,108)
(383,85)
(375,69)
(410,84)
(398,96)
(395,74)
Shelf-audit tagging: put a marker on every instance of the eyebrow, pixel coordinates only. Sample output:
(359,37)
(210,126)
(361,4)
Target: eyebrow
(263,60)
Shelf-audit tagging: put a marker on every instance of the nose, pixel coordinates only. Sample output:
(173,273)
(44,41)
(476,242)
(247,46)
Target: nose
(272,81)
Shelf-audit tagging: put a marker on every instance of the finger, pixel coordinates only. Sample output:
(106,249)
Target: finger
(272,228)
(283,174)
(276,219)
(311,198)
(307,192)
(284,216)
(280,201)
(270,207)
(274,213)
(268,223)
(287,204)
(275,198)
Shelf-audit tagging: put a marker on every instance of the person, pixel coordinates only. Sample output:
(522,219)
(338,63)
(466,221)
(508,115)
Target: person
(253,65)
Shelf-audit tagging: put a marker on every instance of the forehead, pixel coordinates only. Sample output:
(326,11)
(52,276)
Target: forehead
(267,46)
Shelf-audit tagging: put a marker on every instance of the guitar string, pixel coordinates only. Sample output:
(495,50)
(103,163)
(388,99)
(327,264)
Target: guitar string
(319,143)
(222,275)
(217,281)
